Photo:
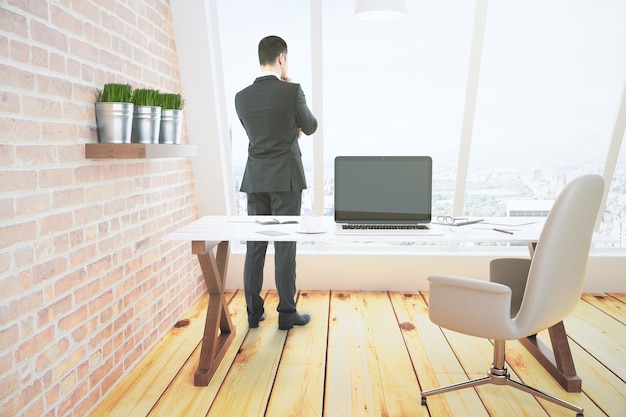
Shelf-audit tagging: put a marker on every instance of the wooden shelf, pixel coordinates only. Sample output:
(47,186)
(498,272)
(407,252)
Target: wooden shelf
(137,150)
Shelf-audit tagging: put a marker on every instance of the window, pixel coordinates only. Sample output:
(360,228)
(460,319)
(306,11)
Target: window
(551,79)
(548,96)
(398,88)
(240,34)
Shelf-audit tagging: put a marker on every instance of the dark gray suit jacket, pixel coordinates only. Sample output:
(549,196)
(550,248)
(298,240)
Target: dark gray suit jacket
(271,111)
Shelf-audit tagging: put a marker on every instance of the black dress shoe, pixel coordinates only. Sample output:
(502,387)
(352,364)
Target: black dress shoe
(294,319)
(253,324)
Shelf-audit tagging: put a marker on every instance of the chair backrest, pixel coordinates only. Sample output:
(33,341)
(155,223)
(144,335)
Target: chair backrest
(559,263)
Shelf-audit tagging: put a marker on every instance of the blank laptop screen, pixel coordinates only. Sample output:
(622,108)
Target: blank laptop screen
(383,189)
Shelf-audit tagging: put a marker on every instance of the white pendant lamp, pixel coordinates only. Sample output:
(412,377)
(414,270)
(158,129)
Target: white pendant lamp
(380,9)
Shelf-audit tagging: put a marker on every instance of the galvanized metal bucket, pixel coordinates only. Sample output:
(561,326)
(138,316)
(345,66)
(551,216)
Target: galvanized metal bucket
(171,126)
(146,124)
(114,122)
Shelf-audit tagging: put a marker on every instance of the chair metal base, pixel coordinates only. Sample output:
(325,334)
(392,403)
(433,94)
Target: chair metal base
(499,375)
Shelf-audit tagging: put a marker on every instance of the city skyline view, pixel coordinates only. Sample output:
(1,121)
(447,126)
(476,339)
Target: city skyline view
(521,188)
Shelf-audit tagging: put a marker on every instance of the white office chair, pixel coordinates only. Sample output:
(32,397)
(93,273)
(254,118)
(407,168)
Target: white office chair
(553,287)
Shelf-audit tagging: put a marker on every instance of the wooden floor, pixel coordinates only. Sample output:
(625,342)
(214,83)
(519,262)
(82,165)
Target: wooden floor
(369,354)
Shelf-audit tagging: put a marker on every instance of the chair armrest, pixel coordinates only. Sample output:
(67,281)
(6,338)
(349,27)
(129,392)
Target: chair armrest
(471,306)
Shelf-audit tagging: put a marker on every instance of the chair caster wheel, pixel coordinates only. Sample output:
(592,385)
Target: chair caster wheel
(579,415)
(424,403)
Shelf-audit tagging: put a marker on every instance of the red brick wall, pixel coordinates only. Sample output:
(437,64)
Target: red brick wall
(87,284)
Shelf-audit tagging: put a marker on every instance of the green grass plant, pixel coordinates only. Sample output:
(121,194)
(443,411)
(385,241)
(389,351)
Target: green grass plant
(146,97)
(171,101)
(115,93)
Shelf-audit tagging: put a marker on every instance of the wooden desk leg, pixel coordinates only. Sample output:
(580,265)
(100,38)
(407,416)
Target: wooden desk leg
(218,329)
(558,362)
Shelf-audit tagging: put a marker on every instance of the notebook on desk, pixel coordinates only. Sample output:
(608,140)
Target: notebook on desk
(383,195)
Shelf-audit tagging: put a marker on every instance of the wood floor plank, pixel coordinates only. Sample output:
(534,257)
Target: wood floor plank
(433,360)
(398,380)
(246,389)
(610,305)
(364,353)
(182,398)
(362,332)
(594,318)
(600,335)
(137,392)
(619,296)
(299,385)
(350,386)
(605,390)
(347,326)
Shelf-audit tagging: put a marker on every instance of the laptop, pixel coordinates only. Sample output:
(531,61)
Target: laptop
(383,195)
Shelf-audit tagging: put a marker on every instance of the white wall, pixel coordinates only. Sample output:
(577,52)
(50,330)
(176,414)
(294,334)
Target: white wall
(409,272)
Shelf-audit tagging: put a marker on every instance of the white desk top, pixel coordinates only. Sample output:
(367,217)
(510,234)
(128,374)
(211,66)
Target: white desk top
(244,228)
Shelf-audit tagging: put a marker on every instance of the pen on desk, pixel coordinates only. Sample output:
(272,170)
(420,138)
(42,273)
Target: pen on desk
(502,231)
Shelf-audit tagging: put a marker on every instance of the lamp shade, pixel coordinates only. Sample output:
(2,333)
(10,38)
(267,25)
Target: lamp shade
(380,9)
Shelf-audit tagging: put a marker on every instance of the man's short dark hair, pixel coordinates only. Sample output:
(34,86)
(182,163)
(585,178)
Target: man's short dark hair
(270,48)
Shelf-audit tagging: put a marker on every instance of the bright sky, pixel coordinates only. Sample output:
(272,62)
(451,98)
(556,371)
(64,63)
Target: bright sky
(551,78)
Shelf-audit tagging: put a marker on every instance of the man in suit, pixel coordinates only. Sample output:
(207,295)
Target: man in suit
(274,113)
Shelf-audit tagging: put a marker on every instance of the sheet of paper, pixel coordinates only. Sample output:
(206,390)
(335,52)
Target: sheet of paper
(271,232)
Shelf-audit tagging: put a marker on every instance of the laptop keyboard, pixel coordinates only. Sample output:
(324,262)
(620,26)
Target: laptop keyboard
(384,227)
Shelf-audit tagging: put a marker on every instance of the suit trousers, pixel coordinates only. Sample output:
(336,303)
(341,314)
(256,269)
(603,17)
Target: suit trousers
(276,204)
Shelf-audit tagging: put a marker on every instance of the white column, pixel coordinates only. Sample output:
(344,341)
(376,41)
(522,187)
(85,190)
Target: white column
(199,60)
(317,108)
(470,107)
